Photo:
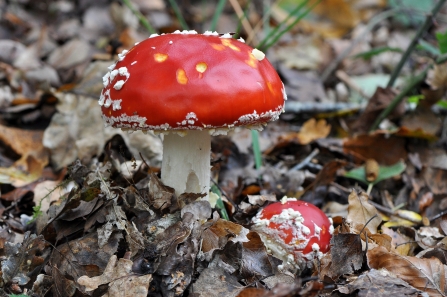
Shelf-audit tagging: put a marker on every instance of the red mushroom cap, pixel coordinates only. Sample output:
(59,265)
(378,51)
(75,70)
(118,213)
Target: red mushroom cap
(191,81)
(296,228)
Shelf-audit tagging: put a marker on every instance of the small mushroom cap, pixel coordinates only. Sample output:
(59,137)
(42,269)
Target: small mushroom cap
(293,227)
(191,81)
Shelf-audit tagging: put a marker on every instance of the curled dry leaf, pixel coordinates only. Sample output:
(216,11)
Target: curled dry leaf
(217,235)
(360,211)
(118,274)
(427,275)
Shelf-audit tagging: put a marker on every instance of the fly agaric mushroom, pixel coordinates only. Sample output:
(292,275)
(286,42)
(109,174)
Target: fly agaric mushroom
(294,231)
(189,86)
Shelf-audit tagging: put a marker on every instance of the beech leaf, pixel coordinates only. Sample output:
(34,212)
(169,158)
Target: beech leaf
(360,211)
(427,275)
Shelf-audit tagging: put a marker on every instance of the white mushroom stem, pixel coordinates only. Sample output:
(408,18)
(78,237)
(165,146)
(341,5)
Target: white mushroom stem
(186,162)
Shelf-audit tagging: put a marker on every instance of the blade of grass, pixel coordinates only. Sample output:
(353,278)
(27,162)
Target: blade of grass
(277,28)
(256,149)
(219,203)
(219,8)
(140,17)
(178,14)
(289,27)
(242,17)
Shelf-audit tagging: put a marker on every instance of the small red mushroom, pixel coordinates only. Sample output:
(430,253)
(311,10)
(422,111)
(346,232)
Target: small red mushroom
(294,231)
(189,86)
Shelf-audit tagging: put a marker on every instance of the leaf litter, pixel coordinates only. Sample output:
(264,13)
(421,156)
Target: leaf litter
(83,212)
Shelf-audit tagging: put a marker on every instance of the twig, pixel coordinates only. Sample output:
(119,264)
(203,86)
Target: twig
(428,22)
(140,17)
(306,160)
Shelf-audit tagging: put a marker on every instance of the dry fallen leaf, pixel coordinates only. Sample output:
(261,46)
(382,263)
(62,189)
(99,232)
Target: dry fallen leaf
(379,283)
(118,274)
(347,254)
(369,146)
(360,211)
(376,104)
(33,155)
(427,275)
(313,130)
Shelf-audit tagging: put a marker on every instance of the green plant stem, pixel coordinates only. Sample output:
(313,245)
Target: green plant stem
(415,81)
(256,149)
(219,8)
(428,22)
(140,17)
(178,14)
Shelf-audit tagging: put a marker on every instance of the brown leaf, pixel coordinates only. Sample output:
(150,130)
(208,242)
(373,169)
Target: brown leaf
(379,283)
(420,124)
(33,155)
(434,179)
(368,146)
(216,282)
(347,254)
(427,275)
(313,130)
(401,243)
(328,173)
(437,77)
(254,262)
(376,104)
(443,223)
(360,211)
(118,274)
(160,196)
(217,235)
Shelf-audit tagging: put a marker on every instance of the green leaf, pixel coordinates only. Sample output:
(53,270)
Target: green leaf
(442,41)
(219,203)
(385,172)
(375,51)
(415,99)
(442,103)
